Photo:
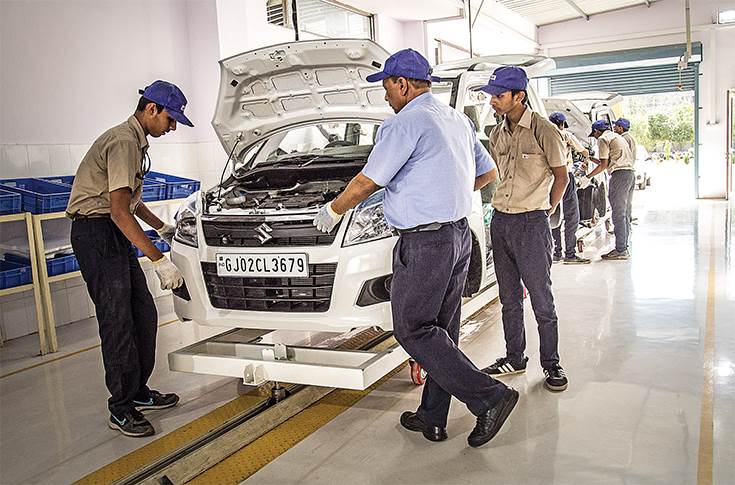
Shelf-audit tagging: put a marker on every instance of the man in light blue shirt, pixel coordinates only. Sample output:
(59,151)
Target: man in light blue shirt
(429,161)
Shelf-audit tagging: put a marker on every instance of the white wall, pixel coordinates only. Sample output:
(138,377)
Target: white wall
(663,24)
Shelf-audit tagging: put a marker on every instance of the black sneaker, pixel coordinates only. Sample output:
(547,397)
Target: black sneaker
(616,255)
(489,423)
(556,258)
(556,379)
(504,367)
(132,423)
(576,260)
(157,401)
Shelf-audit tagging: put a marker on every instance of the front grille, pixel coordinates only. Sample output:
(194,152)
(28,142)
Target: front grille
(307,294)
(248,234)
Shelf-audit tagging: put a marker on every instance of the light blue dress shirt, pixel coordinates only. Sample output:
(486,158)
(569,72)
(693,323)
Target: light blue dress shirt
(427,157)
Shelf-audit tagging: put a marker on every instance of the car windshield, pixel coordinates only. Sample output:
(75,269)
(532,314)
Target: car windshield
(332,140)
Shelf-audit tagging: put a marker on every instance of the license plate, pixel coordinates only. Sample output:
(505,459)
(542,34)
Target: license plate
(270,265)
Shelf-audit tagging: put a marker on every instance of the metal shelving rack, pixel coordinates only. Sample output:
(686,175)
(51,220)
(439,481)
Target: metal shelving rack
(45,280)
(41,280)
(43,330)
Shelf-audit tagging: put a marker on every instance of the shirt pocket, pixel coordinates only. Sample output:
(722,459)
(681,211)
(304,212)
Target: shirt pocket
(531,167)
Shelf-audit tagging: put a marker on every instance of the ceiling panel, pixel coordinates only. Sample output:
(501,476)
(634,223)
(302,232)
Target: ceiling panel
(542,12)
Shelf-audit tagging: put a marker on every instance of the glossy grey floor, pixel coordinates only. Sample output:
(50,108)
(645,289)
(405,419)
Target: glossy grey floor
(632,342)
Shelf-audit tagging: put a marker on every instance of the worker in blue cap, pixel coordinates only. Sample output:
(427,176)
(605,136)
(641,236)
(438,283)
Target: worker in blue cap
(105,201)
(614,155)
(622,128)
(570,202)
(531,158)
(429,160)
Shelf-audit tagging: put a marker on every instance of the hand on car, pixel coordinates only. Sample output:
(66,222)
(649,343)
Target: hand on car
(166,232)
(584,182)
(168,274)
(326,219)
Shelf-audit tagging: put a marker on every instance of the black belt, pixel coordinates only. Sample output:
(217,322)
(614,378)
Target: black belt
(76,217)
(432,226)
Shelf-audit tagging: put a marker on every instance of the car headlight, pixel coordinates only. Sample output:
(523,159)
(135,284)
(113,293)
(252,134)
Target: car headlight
(186,221)
(367,223)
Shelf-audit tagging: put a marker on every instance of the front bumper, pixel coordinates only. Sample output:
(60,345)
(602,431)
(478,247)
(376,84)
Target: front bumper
(355,265)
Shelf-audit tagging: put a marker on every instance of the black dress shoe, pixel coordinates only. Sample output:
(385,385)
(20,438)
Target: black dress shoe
(489,423)
(412,422)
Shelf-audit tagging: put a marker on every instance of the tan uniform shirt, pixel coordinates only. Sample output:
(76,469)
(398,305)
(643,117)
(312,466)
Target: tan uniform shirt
(631,143)
(525,158)
(613,147)
(570,142)
(114,161)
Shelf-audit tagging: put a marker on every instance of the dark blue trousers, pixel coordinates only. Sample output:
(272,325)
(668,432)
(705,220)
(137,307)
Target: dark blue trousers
(570,206)
(622,183)
(126,312)
(522,253)
(429,273)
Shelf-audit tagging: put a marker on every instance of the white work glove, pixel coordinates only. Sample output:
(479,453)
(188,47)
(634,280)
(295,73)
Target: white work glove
(584,182)
(167,232)
(168,273)
(326,219)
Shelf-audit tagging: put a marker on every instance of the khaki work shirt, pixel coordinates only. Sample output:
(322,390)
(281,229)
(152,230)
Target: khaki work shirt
(631,143)
(613,147)
(570,142)
(114,161)
(525,157)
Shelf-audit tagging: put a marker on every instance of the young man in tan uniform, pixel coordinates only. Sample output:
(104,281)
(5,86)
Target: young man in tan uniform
(622,128)
(570,202)
(530,155)
(615,156)
(105,198)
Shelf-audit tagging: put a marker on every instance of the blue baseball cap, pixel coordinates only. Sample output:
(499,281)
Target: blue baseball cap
(405,63)
(623,123)
(506,78)
(170,97)
(558,118)
(601,125)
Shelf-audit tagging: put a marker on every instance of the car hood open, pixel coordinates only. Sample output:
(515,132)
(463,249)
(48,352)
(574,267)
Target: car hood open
(265,90)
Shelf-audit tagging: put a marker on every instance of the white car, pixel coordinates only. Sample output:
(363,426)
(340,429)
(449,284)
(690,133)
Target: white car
(300,120)
(643,168)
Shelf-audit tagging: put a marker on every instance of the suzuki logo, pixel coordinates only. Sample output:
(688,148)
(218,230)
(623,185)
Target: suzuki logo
(262,233)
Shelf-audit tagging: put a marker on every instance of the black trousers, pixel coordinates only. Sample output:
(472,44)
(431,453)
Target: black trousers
(570,207)
(522,253)
(125,309)
(429,273)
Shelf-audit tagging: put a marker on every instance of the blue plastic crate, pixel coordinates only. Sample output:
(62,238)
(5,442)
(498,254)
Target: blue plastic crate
(153,190)
(39,196)
(60,179)
(14,274)
(9,202)
(62,264)
(176,187)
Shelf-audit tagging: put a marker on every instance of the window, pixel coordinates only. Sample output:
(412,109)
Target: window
(322,18)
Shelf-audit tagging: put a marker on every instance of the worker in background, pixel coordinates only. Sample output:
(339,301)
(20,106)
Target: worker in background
(615,157)
(429,160)
(622,128)
(105,199)
(531,158)
(570,203)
